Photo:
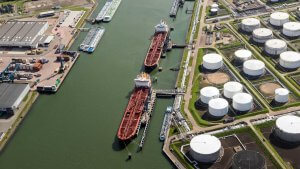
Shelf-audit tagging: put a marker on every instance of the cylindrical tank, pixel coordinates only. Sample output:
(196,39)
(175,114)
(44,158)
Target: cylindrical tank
(218,107)
(275,46)
(242,55)
(281,95)
(274,1)
(279,18)
(254,67)
(214,11)
(208,93)
(248,159)
(214,6)
(242,102)
(291,29)
(212,61)
(261,35)
(289,60)
(232,88)
(288,128)
(205,148)
(249,24)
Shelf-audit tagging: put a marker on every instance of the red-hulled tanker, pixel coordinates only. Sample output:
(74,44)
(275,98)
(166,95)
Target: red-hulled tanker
(134,110)
(157,46)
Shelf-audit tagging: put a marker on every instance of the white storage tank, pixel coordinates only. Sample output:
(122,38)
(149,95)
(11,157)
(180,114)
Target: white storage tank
(254,67)
(275,46)
(242,102)
(261,35)
(205,148)
(289,60)
(218,107)
(242,55)
(279,18)
(212,61)
(249,24)
(208,93)
(274,1)
(288,128)
(232,88)
(281,95)
(214,6)
(214,11)
(291,29)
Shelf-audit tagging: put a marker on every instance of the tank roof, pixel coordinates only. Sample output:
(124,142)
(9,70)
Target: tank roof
(233,86)
(262,32)
(290,56)
(209,91)
(205,144)
(218,103)
(212,58)
(279,15)
(289,124)
(276,43)
(243,53)
(250,21)
(254,64)
(293,26)
(242,98)
(282,91)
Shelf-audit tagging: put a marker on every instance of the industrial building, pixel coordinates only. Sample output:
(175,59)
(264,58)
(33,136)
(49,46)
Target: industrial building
(205,148)
(11,96)
(22,33)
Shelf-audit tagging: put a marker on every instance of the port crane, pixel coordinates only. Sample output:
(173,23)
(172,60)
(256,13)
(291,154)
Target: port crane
(8,76)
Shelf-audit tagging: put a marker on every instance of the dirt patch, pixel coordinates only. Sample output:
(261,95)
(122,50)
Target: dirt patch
(269,88)
(217,78)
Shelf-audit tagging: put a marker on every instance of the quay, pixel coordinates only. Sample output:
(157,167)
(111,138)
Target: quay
(148,112)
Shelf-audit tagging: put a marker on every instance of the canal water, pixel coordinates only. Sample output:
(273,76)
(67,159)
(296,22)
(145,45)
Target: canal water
(76,127)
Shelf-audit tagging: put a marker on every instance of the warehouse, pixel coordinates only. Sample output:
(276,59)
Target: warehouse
(11,96)
(22,33)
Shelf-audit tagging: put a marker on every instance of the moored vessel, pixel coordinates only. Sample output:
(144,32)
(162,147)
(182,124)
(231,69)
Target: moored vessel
(132,116)
(159,40)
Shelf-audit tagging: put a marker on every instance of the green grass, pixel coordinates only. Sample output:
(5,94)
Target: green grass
(176,149)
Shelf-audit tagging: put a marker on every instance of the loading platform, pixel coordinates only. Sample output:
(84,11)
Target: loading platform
(175,5)
(150,107)
(169,92)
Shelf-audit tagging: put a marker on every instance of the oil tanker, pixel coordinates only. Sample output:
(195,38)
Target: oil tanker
(132,116)
(158,42)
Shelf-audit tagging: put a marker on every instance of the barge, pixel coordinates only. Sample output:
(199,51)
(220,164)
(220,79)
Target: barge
(166,124)
(158,43)
(92,39)
(108,11)
(131,120)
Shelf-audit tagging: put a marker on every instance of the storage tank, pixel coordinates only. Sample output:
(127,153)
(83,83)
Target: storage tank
(232,88)
(288,128)
(254,67)
(291,29)
(248,159)
(281,95)
(249,24)
(274,1)
(208,93)
(275,46)
(214,11)
(205,148)
(218,107)
(279,18)
(289,60)
(242,102)
(212,61)
(242,55)
(261,35)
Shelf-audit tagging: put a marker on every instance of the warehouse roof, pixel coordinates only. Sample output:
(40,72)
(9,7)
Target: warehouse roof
(20,31)
(9,93)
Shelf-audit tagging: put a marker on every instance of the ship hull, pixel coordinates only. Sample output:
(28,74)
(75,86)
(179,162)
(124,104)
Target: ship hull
(132,115)
(155,51)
